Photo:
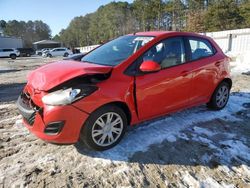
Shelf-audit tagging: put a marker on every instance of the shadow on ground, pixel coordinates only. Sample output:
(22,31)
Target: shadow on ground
(9,70)
(246,73)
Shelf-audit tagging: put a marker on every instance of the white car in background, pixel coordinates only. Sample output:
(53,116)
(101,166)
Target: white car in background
(40,52)
(9,52)
(65,52)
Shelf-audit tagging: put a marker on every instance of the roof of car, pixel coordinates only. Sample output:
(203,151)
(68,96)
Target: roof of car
(160,33)
(153,33)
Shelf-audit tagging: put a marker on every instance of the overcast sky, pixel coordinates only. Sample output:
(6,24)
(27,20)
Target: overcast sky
(56,13)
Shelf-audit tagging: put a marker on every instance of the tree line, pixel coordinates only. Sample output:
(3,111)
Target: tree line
(30,31)
(119,18)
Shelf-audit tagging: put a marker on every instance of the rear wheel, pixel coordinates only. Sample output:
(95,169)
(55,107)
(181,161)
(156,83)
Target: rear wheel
(220,97)
(66,55)
(104,128)
(49,55)
(13,56)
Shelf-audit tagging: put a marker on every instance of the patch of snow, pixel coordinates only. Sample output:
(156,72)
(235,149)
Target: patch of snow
(183,136)
(166,183)
(171,138)
(189,181)
(169,127)
(204,131)
(122,169)
(206,158)
(242,170)
(236,148)
(205,141)
(210,182)
(225,169)
(19,122)
(242,63)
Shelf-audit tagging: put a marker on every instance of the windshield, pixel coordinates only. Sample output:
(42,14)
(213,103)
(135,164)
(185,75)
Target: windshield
(116,51)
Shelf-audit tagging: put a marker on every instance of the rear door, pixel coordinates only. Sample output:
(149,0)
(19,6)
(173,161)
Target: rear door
(56,52)
(205,67)
(169,89)
(62,51)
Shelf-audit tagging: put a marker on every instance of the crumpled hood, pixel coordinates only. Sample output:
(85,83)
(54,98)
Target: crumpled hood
(48,76)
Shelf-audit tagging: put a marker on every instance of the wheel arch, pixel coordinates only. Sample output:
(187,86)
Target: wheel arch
(12,54)
(224,80)
(227,80)
(121,105)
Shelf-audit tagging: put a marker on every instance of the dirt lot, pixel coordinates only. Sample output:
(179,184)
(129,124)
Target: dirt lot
(191,148)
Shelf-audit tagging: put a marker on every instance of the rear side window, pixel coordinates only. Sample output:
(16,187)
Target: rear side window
(200,48)
(8,50)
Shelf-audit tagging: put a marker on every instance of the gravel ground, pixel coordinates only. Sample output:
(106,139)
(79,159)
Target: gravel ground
(192,148)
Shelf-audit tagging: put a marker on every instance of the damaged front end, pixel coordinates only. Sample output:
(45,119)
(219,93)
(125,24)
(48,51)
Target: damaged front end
(73,90)
(51,115)
(46,101)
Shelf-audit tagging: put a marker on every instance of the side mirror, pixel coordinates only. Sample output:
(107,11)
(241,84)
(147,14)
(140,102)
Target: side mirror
(150,66)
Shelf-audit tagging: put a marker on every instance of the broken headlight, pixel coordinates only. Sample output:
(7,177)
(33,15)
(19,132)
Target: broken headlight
(67,96)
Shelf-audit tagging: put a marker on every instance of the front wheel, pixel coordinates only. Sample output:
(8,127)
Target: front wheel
(220,97)
(13,56)
(104,128)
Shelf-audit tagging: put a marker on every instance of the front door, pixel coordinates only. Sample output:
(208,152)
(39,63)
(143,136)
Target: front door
(169,89)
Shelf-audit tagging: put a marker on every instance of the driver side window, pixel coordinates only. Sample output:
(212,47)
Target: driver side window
(168,53)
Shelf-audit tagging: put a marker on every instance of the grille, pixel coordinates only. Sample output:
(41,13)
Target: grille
(27,108)
(31,119)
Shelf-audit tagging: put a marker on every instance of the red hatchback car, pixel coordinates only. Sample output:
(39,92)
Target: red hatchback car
(128,80)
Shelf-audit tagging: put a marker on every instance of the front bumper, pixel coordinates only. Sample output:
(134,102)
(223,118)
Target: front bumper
(57,124)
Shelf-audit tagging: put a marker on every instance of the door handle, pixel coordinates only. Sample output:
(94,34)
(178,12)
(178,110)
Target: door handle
(217,64)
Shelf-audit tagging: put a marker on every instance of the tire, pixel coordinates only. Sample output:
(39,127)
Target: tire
(40,53)
(66,55)
(28,55)
(220,96)
(102,140)
(49,55)
(13,56)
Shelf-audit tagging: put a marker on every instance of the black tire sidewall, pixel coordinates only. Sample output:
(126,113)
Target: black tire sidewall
(12,56)
(66,55)
(86,131)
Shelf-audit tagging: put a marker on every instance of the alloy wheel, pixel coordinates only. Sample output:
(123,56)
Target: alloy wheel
(222,96)
(107,129)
